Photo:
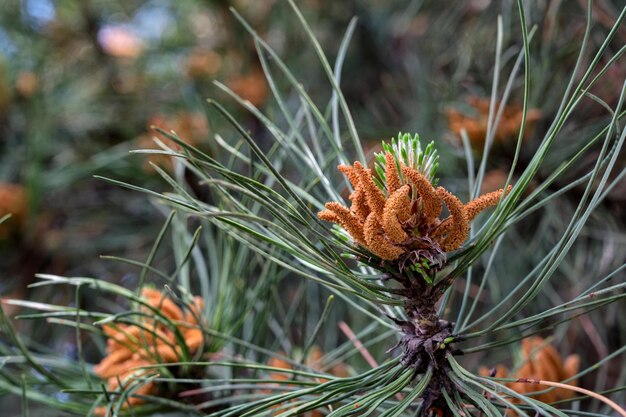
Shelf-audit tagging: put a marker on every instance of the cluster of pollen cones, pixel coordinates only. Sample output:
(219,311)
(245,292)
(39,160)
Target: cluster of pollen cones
(540,361)
(314,360)
(150,342)
(405,216)
(476,125)
(13,201)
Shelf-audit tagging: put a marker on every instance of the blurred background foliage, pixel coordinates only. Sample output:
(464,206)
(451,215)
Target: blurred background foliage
(81,82)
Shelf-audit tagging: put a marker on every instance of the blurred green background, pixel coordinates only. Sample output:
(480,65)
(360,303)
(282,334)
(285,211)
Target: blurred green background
(82,81)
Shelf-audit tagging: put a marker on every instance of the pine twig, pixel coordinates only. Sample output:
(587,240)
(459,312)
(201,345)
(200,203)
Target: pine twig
(595,395)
